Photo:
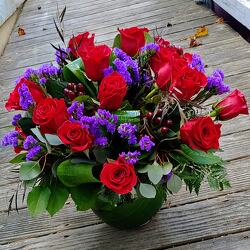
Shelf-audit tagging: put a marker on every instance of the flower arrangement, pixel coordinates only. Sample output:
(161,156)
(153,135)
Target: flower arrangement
(119,128)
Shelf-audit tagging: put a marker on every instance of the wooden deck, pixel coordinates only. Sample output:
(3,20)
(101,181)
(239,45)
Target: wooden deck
(213,220)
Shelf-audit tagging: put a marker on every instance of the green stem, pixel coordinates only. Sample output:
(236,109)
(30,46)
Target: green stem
(152,93)
(213,113)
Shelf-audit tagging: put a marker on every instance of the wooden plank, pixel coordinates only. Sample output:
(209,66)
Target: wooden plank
(238,241)
(177,225)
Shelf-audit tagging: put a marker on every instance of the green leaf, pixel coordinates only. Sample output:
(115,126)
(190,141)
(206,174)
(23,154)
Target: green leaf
(37,133)
(18,158)
(147,190)
(87,100)
(53,140)
(200,157)
(58,197)
(144,169)
(174,184)
(117,41)
(166,168)
(29,170)
(56,88)
(132,116)
(148,38)
(26,124)
(101,154)
(73,72)
(155,173)
(37,200)
(75,174)
(84,196)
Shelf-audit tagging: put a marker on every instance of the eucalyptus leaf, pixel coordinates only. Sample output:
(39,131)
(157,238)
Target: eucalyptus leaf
(174,184)
(53,140)
(58,197)
(167,168)
(147,190)
(38,134)
(155,173)
(38,199)
(75,174)
(18,158)
(29,170)
(144,169)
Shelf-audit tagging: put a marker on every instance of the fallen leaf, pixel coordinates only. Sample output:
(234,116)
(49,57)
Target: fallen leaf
(201,31)
(21,31)
(194,42)
(220,20)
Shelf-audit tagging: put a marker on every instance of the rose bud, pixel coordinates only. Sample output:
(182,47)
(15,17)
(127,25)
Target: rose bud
(231,106)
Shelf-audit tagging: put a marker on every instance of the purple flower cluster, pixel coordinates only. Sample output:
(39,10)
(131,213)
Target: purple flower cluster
(150,48)
(126,66)
(127,131)
(31,144)
(216,81)
(46,71)
(76,110)
(15,119)
(103,120)
(10,138)
(131,157)
(145,143)
(197,63)
(62,54)
(25,97)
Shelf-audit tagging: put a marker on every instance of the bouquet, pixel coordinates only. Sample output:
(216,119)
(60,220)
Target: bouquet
(119,129)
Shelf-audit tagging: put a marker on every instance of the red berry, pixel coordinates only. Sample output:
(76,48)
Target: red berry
(80,93)
(149,115)
(71,95)
(66,91)
(164,130)
(71,86)
(158,120)
(168,123)
(80,87)
(159,112)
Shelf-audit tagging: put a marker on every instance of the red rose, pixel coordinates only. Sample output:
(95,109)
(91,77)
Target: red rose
(163,43)
(80,43)
(232,105)
(187,82)
(50,114)
(73,134)
(132,39)
(201,133)
(95,60)
(14,98)
(119,176)
(112,90)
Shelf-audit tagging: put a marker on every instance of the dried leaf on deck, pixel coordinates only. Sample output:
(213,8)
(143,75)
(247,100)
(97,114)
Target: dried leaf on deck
(194,42)
(220,20)
(201,31)
(21,31)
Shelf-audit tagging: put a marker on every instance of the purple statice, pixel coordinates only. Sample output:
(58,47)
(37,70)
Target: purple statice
(10,138)
(29,73)
(76,110)
(108,71)
(150,48)
(61,55)
(25,97)
(216,81)
(42,80)
(133,65)
(145,143)
(33,152)
(15,119)
(29,142)
(147,79)
(105,118)
(121,67)
(101,141)
(197,63)
(48,70)
(127,131)
(131,157)
(121,54)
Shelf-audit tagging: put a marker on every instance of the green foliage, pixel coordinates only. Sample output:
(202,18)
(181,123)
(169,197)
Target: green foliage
(58,197)
(155,173)
(72,175)
(84,196)
(53,140)
(87,100)
(18,158)
(29,170)
(147,190)
(174,184)
(38,200)
(37,133)
(117,41)
(148,38)
(26,125)
(56,88)
(132,116)
(101,154)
